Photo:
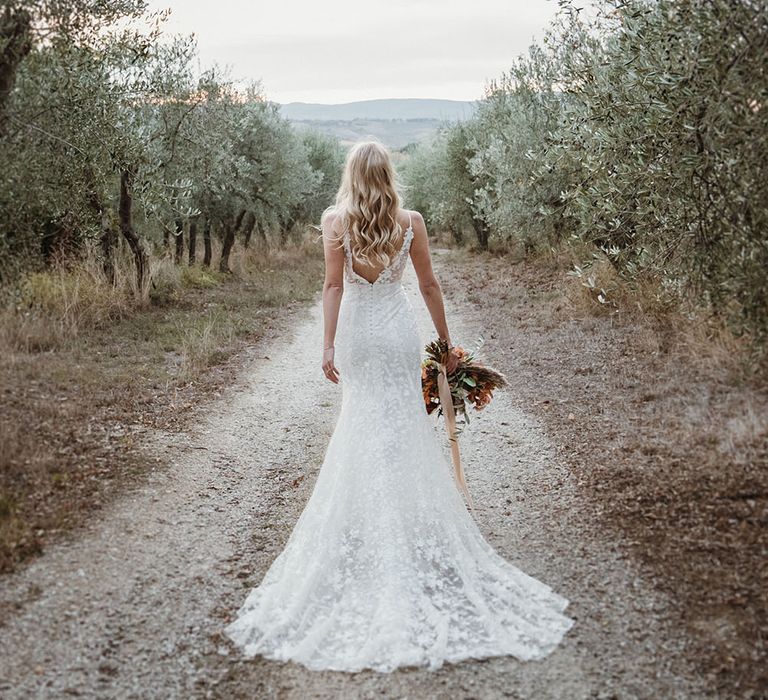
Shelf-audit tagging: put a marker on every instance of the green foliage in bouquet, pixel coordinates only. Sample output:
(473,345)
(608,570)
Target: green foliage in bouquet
(471,384)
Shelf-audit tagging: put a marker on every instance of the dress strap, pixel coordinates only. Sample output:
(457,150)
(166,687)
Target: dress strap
(345,241)
(410,224)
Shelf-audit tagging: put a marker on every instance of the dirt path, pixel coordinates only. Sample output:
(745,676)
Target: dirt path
(133,605)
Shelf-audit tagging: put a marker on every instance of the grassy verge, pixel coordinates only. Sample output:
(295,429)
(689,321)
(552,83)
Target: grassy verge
(664,431)
(84,373)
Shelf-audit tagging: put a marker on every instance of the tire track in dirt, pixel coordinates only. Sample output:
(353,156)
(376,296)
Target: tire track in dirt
(133,605)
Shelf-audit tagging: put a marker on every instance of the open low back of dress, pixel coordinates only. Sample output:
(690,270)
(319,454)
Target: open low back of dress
(398,261)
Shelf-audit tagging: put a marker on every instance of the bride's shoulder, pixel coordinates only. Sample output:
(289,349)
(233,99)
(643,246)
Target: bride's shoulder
(411,215)
(330,221)
(415,219)
(329,214)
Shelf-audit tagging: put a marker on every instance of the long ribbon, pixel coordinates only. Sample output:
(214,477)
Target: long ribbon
(446,401)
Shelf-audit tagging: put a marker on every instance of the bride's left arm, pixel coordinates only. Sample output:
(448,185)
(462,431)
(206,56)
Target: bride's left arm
(333,288)
(428,284)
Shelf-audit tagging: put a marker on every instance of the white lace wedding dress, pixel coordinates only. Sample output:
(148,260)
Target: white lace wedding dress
(385,566)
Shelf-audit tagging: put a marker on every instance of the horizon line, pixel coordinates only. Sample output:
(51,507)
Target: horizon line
(375,99)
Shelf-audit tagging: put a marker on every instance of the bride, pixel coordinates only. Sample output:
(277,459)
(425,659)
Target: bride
(385,566)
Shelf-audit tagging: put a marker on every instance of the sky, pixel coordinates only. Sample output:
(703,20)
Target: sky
(332,51)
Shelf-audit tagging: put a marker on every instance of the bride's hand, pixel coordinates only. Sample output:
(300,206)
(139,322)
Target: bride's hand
(452,362)
(329,368)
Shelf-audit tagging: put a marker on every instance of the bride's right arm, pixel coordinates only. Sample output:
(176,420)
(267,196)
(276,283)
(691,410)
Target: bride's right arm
(428,284)
(333,288)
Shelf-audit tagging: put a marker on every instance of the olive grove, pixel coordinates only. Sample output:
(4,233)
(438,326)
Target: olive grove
(639,129)
(111,137)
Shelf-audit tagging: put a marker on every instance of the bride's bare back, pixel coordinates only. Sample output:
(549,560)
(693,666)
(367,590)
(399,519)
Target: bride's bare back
(371,273)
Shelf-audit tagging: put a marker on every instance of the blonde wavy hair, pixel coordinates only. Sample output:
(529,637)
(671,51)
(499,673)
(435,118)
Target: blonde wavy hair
(367,203)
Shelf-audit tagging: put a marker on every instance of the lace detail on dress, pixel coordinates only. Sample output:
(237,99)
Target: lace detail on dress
(385,566)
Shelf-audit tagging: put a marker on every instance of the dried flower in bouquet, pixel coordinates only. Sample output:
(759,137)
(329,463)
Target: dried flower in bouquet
(471,384)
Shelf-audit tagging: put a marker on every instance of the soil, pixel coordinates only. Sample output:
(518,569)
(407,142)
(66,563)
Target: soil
(665,435)
(132,604)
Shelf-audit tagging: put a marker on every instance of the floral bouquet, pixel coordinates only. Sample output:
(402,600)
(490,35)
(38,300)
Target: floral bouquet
(471,383)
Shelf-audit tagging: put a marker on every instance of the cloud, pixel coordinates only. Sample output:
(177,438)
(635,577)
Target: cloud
(430,48)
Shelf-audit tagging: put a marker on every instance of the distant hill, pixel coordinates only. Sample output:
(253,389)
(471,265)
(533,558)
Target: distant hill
(396,122)
(414,108)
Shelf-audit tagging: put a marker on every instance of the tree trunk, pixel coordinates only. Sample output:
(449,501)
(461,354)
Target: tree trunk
(192,240)
(179,253)
(285,230)
(250,224)
(15,44)
(457,234)
(240,218)
(207,242)
(108,245)
(125,216)
(482,231)
(264,241)
(47,242)
(108,238)
(228,240)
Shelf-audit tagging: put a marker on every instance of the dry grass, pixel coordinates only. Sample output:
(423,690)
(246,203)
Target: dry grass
(85,370)
(673,322)
(46,309)
(201,342)
(665,432)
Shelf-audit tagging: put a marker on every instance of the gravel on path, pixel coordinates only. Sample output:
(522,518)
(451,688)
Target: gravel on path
(134,604)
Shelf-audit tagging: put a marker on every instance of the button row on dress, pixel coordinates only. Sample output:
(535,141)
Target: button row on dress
(370,309)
